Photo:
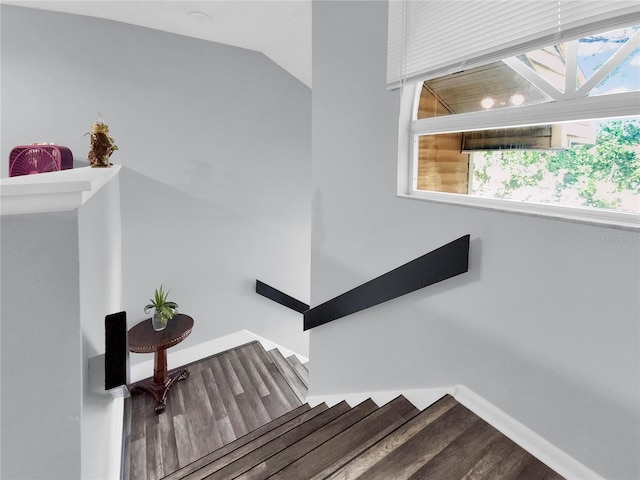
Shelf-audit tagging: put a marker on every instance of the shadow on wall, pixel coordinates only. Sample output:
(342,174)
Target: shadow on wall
(547,398)
(202,177)
(435,342)
(207,256)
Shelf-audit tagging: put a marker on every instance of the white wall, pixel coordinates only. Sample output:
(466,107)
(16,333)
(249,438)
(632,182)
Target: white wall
(61,274)
(41,341)
(100,254)
(215,147)
(215,143)
(544,325)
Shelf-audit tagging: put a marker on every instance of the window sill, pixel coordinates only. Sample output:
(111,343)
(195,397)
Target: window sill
(623,221)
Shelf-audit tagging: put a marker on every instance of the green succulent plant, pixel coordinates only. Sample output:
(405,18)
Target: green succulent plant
(164,308)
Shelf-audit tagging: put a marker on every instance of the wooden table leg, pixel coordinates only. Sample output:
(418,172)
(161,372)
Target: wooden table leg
(143,338)
(160,367)
(159,385)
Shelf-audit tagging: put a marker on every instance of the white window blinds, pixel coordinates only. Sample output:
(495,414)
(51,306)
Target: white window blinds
(432,38)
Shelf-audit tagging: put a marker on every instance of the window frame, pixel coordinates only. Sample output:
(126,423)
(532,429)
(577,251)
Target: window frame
(586,108)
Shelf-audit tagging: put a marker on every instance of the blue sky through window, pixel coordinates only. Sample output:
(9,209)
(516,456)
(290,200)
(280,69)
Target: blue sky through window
(595,50)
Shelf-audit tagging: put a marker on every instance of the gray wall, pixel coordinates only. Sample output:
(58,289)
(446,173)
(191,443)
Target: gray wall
(214,189)
(100,274)
(545,324)
(61,273)
(215,147)
(41,340)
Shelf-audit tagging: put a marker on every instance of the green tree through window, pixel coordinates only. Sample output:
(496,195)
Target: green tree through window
(603,175)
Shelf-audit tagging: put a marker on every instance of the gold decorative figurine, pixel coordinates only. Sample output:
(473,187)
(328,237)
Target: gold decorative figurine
(102,145)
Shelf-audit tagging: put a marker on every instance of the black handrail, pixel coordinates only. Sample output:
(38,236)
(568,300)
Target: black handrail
(445,262)
(440,264)
(280,297)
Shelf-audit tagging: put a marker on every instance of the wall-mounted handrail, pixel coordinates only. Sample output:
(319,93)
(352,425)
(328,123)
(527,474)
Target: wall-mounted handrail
(445,262)
(280,297)
(440,264)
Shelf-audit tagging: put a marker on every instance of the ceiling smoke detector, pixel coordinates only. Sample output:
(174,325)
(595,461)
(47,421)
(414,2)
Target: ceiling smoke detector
(199,16)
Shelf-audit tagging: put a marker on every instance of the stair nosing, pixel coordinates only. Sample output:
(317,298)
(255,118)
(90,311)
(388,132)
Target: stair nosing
(296,365)
(328,412)
(311,412)
(383,411)
(360,411)
(240,441)
(418,418)
(270,364)
(282,364)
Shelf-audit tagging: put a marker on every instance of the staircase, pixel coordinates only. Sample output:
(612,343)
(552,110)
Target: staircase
(390,442)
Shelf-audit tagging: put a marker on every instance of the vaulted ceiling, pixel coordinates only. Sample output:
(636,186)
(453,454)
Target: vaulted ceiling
(279,29)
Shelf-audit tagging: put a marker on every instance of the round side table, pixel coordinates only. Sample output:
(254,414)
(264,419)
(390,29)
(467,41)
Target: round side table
(144,339)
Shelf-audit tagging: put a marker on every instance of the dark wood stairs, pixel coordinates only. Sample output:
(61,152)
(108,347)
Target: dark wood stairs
(294,372)
(229,397)
(392,442)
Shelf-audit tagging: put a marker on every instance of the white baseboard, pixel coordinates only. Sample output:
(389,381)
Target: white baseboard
(178,358)
(420,398)
(533,443)
(540,448)
(545,451)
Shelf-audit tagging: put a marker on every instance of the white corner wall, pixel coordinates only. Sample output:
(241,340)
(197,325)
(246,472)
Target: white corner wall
(545,325)
(100,254)
(60,276)
(40,363)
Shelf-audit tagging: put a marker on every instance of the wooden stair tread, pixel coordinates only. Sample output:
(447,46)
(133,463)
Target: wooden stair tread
(264,451)
(227,395)
(349,443)
(460,455)
(536,470)
(269,370)
(300,369)
(219,461)
(252,425)
(376,452)
(506,460)
(247,394)
(287,370)
(305,445)
(239,442)
(502,456)
(482,447)
(270,391)
(412,454)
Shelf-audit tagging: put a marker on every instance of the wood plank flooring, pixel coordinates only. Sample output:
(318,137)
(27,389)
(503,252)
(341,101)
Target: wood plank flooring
(294,376)
(350,442)
(237,452)
(225,397)
(239,416)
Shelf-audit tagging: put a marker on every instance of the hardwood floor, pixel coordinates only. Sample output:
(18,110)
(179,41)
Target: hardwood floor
(240,447)
(239,416)
(225,397)
(350,442)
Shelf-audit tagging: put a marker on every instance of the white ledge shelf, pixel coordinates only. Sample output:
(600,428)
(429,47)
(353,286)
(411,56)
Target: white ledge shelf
(60,191)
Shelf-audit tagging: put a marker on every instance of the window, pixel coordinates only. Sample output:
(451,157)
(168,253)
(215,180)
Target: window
(555,130)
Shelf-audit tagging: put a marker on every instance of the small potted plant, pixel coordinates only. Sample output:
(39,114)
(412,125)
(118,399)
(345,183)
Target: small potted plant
(164,309)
